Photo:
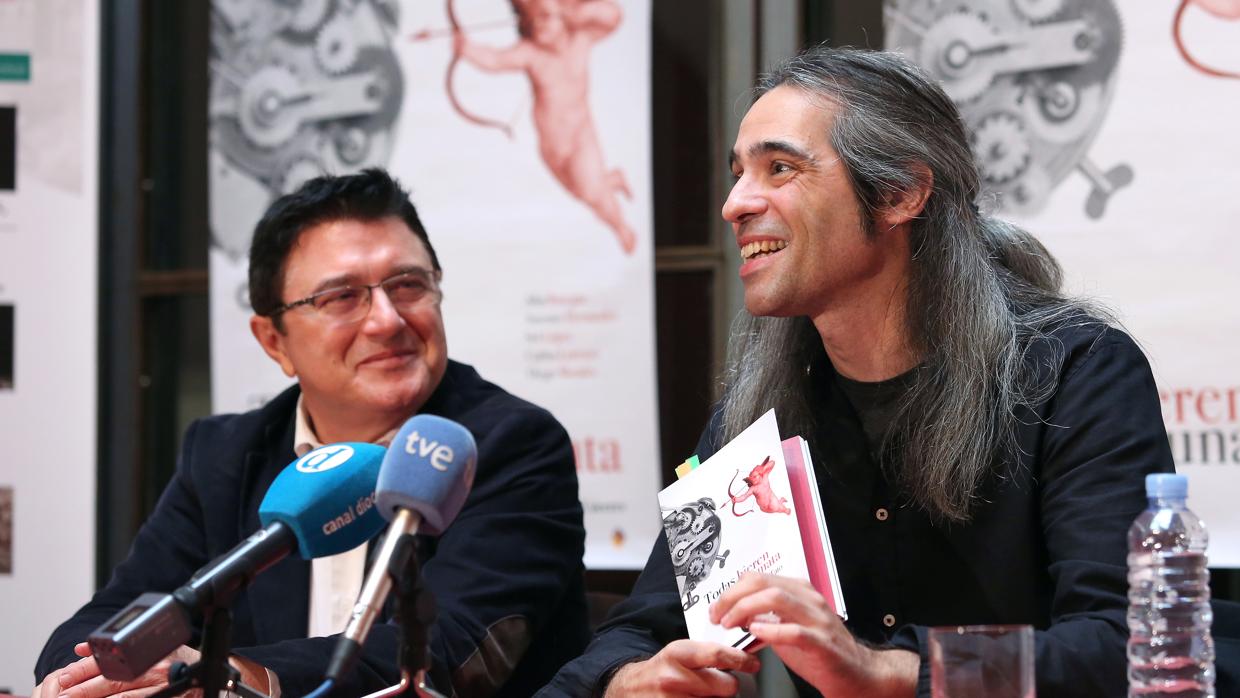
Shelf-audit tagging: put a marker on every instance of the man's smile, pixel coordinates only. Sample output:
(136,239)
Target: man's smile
(758,252)
(387,359)
(761,247)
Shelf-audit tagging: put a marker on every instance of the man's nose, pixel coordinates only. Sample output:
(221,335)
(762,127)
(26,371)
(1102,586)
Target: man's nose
(743,202)
(382,317)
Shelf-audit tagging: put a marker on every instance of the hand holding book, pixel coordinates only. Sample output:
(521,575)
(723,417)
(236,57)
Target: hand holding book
(749,548)
(684,667)
(812,640)
(752,507)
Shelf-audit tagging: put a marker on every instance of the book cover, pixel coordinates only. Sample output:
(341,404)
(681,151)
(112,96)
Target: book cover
(734,513)
(812,523)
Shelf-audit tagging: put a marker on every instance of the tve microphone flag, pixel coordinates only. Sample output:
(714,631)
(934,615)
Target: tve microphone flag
(425,478)
(321,504)
(428,469)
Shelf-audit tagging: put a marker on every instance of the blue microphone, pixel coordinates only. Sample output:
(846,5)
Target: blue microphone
(326,497)
(425,478)
(321,504)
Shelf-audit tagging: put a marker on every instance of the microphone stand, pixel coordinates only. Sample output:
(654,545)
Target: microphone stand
(415,609)
(212,672)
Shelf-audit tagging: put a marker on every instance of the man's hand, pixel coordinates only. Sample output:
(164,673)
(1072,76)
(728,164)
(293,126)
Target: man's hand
(82,678)
(811,640)
(684,668)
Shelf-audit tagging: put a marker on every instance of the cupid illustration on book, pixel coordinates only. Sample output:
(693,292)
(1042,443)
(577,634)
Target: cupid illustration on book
(758,486)
(693,534)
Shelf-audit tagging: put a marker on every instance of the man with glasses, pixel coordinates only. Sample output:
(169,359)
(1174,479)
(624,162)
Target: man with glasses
(345,287)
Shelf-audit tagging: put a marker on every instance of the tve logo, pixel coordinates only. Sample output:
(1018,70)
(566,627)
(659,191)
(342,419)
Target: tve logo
(441,455)
(324,458)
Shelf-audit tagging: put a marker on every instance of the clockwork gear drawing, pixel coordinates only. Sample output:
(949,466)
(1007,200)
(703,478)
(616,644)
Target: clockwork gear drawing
(299,88)
(1038,10)
(954,48)
(308,15)
(1000,147)
(1032,79)
(334,46)
(694,535)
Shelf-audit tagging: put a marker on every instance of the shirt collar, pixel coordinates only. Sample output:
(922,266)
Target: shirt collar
(305,440)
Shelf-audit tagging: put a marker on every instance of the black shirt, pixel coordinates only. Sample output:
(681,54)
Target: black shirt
(875,403)
(1046,545)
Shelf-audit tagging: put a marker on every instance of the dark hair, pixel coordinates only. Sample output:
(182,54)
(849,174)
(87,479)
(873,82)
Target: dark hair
(368,195)
(982,291)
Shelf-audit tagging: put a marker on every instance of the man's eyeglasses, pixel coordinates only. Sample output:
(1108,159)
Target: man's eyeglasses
(406,291)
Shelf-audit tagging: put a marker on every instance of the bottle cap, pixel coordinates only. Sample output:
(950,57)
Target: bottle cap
(1166,485)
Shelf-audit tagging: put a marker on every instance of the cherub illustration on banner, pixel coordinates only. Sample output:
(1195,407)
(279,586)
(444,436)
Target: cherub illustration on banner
(554,53)
(758,486)
(1222,9)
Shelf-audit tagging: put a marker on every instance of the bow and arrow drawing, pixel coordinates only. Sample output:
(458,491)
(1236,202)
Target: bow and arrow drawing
(449,82)
(1228,10)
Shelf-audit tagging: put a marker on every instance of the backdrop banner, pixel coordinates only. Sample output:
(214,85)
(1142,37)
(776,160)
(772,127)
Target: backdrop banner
(1107,129)
(49,237)
(525,140)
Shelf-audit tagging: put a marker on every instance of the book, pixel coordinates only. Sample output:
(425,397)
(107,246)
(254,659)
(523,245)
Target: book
(752,506)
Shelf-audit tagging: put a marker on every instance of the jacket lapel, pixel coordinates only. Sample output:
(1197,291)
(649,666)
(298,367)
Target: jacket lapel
(279,596)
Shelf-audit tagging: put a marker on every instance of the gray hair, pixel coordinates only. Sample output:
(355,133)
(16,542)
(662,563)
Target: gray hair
(981,292)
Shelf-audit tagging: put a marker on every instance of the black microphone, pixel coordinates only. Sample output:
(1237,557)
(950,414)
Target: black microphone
(321,504)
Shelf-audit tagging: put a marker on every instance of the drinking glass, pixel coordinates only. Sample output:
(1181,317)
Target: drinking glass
(981,661)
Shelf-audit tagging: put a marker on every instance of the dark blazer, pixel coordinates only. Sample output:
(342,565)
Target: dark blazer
(507,576)
(1046,545)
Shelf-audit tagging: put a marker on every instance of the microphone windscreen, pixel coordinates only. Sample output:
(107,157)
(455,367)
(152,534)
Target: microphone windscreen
(429,469)
(327,497)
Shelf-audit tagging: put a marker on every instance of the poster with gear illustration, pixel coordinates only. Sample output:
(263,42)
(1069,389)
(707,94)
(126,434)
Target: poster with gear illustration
(522,129)
(1107,129)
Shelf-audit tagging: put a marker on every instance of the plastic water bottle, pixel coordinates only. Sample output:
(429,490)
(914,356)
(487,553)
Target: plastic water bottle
(1170,651)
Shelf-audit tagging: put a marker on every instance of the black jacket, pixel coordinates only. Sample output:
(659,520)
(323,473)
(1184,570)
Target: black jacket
(506,576)
(1046,545)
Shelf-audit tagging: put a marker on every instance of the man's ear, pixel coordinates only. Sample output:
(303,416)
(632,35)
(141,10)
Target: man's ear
(273,341)
(903,206)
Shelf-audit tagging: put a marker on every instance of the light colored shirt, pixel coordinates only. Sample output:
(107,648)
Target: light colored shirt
(335,581)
